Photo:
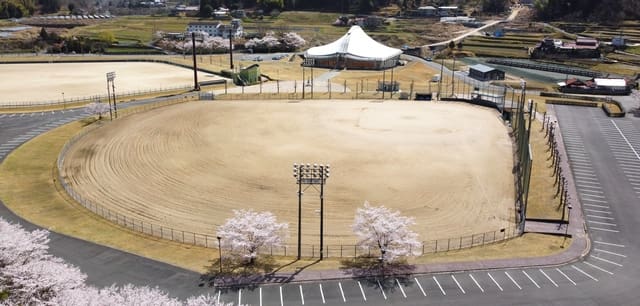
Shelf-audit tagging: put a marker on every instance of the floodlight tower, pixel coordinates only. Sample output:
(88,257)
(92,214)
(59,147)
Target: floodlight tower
(308,174)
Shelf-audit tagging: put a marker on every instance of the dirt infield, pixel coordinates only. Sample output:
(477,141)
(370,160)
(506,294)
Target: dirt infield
(45,82)
(187,166)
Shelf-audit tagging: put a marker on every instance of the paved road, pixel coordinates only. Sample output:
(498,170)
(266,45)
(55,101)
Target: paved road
(605,160)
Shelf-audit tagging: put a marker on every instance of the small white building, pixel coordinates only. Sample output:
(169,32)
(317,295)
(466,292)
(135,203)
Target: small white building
(214,28)
(448,11)
(427,11)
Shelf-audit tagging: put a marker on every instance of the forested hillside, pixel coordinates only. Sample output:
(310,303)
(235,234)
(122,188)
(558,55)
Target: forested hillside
(605,11)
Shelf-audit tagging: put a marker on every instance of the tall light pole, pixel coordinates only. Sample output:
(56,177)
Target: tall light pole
(64,104)
(220,252)
(196,86)
(566,229)
(110,77)
(311,175)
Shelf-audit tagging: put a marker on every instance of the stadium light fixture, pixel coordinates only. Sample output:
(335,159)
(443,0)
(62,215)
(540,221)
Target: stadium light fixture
(307,174)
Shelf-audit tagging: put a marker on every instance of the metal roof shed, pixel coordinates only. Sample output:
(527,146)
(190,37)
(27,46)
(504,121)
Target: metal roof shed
(485,73)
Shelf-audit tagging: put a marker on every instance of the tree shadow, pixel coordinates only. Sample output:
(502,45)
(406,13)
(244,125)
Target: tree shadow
(371,272)
(239,273)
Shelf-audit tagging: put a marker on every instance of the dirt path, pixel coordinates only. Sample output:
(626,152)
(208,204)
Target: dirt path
(187,166)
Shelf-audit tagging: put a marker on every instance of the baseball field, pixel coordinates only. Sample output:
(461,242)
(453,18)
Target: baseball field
(45,82)
(188,166)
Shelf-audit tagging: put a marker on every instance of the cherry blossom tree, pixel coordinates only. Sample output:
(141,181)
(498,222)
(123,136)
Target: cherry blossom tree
(248,231)
(293,41)
(28,274)
(272,42)
(387,230)
(98,109)
(31,276)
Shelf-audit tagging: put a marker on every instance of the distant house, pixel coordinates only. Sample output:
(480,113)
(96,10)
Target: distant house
(597,86)
(449,11)
(183,10)
(217,29)
(526,2)
(582,47)
(426,11)
(485,73)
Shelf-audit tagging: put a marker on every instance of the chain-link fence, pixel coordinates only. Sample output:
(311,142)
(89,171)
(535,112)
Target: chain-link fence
(89,99)
(210,241)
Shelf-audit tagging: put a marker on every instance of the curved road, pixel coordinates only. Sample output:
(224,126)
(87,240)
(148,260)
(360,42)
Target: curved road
(604,155)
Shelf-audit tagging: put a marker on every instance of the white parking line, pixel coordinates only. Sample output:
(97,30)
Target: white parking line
(591,179)
(218,298)
(513,280)
(584,172)
(606,260)
(240,297)
(457,283)
(342,292)
(260,291)
(585,273)
(362,291)
(420,286)
(589,190)
(401,289)
(531,279)
(625,139)
(602,223)
(600,217)
(281,300)
(301,295)
(591,195)
(322,294)
(549,278)
(441,290)
(597,206)
(595,201)
(382,290)
(494,281)
(477,284)
(595,186)
(604,229)
(598,268)
(582,175)
(610,253)
(598,211)
(566,276)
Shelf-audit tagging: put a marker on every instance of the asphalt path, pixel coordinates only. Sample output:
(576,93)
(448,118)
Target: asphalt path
(604,155)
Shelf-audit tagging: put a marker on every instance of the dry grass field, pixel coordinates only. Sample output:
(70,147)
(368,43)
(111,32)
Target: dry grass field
(446,164)
(48,81)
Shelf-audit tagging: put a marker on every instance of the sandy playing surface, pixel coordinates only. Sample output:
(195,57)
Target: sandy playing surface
(46,82)
(187,166)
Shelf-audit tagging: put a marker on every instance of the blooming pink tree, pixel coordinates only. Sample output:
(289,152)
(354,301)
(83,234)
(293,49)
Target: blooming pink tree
(272,42)
(293,41)
(31,276)
(98,109)
(386,230)
(28,274)
(248,231)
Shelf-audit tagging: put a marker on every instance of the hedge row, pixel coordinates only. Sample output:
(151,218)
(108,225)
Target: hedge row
(574,103)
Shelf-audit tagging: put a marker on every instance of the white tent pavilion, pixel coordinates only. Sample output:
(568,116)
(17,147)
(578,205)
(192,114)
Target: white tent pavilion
(354,50)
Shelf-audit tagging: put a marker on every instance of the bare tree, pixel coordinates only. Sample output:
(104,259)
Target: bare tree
(387,230)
